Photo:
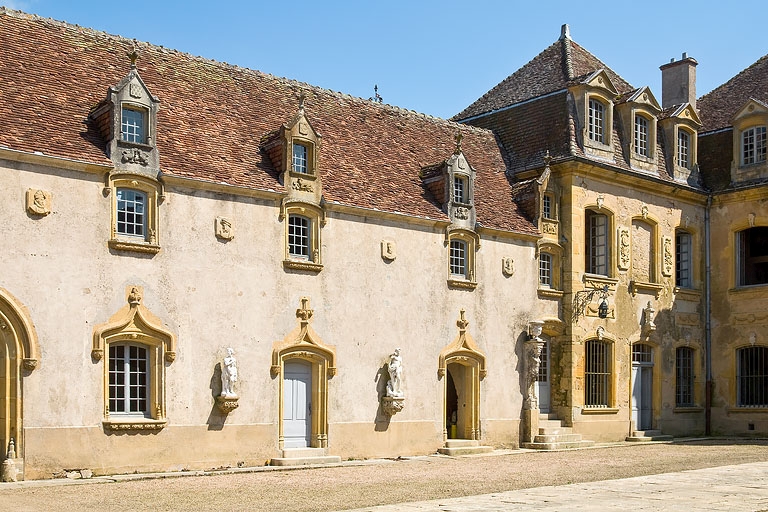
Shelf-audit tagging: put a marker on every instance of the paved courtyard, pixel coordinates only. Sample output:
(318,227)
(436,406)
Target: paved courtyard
(709,474)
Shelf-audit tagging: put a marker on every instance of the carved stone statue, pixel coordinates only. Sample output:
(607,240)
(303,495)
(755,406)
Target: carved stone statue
(9,471)
(395,367)
(229,375)
(533,348)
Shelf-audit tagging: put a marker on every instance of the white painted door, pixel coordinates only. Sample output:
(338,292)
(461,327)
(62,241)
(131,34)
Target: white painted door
(297,407)
(542,382)
(642,382)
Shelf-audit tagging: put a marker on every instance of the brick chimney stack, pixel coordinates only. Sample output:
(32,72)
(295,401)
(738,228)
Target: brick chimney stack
(678,82)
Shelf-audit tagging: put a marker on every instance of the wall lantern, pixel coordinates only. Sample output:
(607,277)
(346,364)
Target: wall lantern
(602,309)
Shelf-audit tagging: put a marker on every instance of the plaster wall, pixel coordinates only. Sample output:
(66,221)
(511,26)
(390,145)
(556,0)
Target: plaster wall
(214,294)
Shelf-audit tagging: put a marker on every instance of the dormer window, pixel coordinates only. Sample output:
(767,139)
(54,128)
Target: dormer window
(596,127)
(300,158)
(753,145)
(133,126)
(683,149)
(546,206)
(459,189)
(641,136)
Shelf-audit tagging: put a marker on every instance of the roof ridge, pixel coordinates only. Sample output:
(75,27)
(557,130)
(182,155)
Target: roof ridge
(225,65)
(568,61)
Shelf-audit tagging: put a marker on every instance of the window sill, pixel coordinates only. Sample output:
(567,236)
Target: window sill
(309,175)
(687,294)
(687,409)
(550,293)
(139,145)
(142,247)
(599,410)
(749,291)
(306,265)
(462,284)
(115,424)
(761,410)
(639,286)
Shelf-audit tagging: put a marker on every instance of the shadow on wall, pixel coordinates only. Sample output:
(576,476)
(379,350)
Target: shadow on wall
(381,422)
(216,418)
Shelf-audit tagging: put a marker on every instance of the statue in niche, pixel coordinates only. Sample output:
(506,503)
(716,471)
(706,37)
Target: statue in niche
(395,368)
(534,346)
(229,375)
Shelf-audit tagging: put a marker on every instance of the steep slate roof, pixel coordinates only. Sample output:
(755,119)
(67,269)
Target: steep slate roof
(560,65)
(531,115)
(718,107)
(213,116)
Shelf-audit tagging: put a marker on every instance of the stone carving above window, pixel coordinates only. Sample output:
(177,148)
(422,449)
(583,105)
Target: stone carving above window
(224,228)
(388,250)
(625,257)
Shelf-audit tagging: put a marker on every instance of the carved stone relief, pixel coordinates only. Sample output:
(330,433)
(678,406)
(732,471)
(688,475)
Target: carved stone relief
(624,249)
(134,156)
(549,228)
(301,186)
(224,228)
(461,213)
(388,250)
(508,266)
(668,257)
(38,202)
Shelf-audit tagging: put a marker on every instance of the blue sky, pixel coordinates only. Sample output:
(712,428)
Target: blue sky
(435,57)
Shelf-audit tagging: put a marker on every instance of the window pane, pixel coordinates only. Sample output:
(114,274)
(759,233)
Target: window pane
(300,158)
(458,190)
(597,374)
(546,207)
(458,261)
(683,259)
(130,212)
(753,145)
(641,136)
(683,143)
(752,245)
(684,377)
(596,121)
(133,125)
(545,270)
(298,236)
(596,244)
(128,379)
(752,377)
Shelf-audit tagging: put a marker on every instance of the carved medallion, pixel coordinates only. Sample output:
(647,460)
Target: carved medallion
(134,156)
(388,250)
(38,202)
(461,213)
(224,228)
(508,266)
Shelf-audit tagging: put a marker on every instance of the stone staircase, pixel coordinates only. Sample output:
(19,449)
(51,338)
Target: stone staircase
(644,436)
(456,447)
(554,436)
(304,457)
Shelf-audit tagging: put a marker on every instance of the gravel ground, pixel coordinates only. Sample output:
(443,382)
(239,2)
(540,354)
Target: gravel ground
(347,487)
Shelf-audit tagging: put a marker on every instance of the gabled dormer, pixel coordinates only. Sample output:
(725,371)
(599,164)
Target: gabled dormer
(293,150)
(594,96)
(638,114)
(680,126)
(750,142)
(127,121)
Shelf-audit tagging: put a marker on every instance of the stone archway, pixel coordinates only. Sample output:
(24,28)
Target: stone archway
(19,355)
(465,364)
(304,345)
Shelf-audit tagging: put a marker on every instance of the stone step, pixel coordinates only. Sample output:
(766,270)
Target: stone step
(561,438)
(645,436)
(548,416)
(464,450)
(461,443)
(550,423)
(304,457)
(559,446)
(547,431)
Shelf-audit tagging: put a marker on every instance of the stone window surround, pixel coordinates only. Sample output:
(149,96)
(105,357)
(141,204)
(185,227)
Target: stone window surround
(610,382)
(691,260)
(152,189)
(610,271)
(472,243)
(146,128)
(651,135)
(737,395)
(555,253)
(317,219)
(759,141)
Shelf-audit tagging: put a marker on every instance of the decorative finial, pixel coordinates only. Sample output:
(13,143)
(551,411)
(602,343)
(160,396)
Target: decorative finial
(302,97)
(376,97)
(458,138)
(547,159)
(462,322)
(565,31)
(304,313)
(134,56)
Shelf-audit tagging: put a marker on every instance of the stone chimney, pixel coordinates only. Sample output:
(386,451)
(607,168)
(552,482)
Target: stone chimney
(678,82)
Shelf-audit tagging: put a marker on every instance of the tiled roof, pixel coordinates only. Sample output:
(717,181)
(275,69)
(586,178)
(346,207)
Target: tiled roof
(718,107)
(213,117)
(561,64)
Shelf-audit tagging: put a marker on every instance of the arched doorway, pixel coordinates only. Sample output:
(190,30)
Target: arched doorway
(461,366)
(19,355)
(304,364)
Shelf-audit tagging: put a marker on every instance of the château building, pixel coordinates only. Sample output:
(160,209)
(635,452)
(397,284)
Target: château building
(202,255)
